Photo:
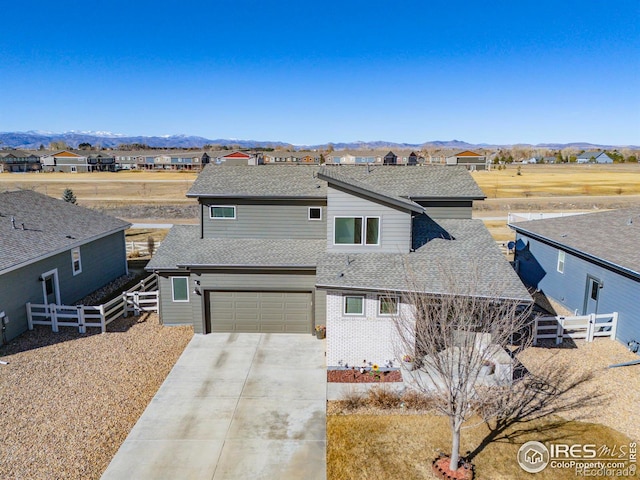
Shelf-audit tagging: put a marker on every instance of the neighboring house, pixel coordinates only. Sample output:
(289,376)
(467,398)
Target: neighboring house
(372,157)
(470,160)
(287,248)
(65,161)
(280,157)
(52,251)
(19,161)
(173,160)
(101,162)
(586,263)
(237,158)
(594,157)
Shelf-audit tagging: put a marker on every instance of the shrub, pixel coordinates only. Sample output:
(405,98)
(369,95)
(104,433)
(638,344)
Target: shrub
(352,399)
(417,401)
(383,397)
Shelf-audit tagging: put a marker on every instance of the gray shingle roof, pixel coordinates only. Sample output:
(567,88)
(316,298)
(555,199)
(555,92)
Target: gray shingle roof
(50,225)
(299,181)
(607,236)
(470,256)
(184,247)
(250,181)
(334,175)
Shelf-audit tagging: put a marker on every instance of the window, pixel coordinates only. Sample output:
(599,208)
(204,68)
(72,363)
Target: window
(180,289)
(561,261)
(76,261)
(351,230)
(388,305)
(222,212)
(315,213)
(354,305)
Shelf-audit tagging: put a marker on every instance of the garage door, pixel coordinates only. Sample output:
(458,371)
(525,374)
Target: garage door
(269,312)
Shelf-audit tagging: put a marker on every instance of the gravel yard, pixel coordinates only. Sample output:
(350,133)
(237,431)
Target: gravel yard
(619,408)
(68,401)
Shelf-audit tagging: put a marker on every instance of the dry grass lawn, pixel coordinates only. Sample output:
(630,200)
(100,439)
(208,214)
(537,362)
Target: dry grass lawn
(560,180)
(142,234)
(375,447)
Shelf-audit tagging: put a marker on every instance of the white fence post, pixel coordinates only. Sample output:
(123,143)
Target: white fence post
(125,305)
(80,313)
(591,327)
(614,327)
(535,332)
(560,332)
(54,317)
(103,321)
(29,316)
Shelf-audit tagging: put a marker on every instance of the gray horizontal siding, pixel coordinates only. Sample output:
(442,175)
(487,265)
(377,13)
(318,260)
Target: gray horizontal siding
(266,219)
(174,313)
(448,209)
(395,225)
(538,267)
(102,261)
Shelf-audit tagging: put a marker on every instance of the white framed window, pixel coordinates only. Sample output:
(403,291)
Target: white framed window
(353,305)
(76,261)
(74,169)
(387,305)
(561,256)
(180,289)
(356,230)
(222,212)
(315,213)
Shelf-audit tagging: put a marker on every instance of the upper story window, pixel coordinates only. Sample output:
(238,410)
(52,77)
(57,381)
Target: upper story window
(225,212)
(76,261)
(315,213)
(560,266)
(356,230)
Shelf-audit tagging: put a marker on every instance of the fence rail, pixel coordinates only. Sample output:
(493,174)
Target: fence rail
(142,297)
(141,247)
(585,327)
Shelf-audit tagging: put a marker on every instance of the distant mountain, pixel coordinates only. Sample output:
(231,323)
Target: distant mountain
(34,138)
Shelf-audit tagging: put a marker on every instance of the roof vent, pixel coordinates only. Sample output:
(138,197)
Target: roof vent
(630,221)
(23,226)
(13,222)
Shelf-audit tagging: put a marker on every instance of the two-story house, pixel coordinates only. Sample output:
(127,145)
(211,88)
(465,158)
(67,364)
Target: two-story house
(289,247)
(19,161)
(65,161)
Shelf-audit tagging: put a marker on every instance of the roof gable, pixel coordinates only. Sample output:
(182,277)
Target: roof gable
(238,155)
(66,153)
(468,153)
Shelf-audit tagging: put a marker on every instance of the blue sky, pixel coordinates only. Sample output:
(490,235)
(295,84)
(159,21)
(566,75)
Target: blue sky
(314,72)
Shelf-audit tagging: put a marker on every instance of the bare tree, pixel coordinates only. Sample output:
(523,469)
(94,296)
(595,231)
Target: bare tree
(462,341)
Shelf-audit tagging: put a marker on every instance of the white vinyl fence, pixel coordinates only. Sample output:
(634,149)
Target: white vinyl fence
(141,247)
(585,327)
(142,297)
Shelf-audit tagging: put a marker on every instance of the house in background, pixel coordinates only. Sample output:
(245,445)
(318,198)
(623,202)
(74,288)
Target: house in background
(586,264)
(236,158)
(101,162)
(286,248)
(65,161)
(470,160)
(594,156)
(52,251)
(19,161)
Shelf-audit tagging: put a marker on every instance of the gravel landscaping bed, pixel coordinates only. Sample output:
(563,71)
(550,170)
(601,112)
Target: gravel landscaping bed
(620,387)
(68,400)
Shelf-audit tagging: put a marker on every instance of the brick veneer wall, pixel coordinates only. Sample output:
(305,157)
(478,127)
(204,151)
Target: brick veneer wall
(353,339)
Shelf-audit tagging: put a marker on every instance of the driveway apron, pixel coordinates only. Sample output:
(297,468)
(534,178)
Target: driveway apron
(235,406)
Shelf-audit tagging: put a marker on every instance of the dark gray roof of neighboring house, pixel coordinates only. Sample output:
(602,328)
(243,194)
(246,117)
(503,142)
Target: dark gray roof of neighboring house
(51,226)
(333,175)
(607,236)
(183,247)
(251,181)
(300,181)
(467,256)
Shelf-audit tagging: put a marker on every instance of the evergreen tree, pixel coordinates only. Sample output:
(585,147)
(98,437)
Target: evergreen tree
(68,196)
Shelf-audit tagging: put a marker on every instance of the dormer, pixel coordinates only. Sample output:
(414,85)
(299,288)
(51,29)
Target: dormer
(363,218)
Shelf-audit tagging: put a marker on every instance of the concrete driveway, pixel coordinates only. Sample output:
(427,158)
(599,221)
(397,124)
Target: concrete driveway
(235,406)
